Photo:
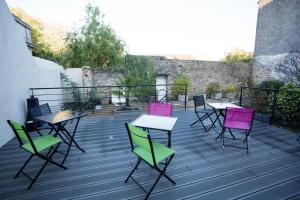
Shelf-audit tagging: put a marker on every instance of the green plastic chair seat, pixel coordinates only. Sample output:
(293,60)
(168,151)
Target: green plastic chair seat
(41,143)
(161,152)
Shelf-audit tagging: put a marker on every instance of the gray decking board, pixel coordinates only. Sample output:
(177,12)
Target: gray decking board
(201,168)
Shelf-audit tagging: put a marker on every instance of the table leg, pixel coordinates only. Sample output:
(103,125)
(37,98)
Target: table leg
(73,135)
(169,138)
(218,118)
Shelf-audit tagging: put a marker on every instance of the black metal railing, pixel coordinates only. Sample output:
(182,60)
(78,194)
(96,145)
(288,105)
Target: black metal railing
(265,101)
(108,98)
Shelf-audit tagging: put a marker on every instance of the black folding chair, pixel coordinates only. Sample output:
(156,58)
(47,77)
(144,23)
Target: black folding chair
(203,113)
(37,111)
(151,152)
(43,147)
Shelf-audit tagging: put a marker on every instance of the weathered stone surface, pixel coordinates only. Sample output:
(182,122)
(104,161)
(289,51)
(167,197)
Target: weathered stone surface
(201,73)
(204,72)
(277,33)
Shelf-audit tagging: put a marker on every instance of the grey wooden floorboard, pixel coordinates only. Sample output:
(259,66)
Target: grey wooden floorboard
(201,168)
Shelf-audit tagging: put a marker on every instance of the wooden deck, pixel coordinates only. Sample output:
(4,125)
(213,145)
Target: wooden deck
(201,169)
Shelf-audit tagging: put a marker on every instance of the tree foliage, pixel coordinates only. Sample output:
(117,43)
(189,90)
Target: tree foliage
(139,70)
(238,55)
(179,85)
(94,44)
(48,37)
(288,101)
(289,68)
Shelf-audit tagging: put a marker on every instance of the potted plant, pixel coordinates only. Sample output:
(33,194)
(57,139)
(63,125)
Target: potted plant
(230,91)
(181,83)
(213,91)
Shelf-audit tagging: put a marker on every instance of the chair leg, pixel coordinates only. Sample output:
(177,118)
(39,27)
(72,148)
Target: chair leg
(135,167)
(162,173)
(47,160)
(24,165)
(223,137)
(195,122)
(49,157)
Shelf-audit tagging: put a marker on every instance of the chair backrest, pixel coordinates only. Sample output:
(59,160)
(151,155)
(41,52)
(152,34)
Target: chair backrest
(161,109)
(140,138)
(199,101)
(21,134)
(45,109)
(234,115)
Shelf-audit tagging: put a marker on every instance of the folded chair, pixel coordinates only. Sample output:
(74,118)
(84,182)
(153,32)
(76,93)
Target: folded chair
(36,147)
(160,109)
(151,152)
(37,111)
(241,119)
(203,113)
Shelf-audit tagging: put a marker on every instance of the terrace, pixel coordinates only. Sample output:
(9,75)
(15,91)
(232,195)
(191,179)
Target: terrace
(95,86)
(201,169)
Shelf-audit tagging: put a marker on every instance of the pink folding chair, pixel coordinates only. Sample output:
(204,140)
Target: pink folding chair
(160,109)
(238,118)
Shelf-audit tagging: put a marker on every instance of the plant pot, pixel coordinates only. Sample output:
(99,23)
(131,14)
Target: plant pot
(181,97)
(216,96)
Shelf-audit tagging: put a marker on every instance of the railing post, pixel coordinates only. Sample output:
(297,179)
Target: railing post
(167,92)
(109,98)
(79,100)
(155,95)
(273,106)
(185,96)
(241,96)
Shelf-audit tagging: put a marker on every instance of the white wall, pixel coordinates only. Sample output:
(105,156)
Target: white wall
(18,72)
(75,75)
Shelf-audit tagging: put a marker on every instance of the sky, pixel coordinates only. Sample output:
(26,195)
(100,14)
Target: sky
(204,29)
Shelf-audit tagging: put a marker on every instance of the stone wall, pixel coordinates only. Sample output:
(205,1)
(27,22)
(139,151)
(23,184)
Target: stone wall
(277,33)
(201,73)
(204,72)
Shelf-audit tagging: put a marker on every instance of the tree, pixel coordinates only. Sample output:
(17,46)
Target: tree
(139,70)
(238,55)
(48,37)
(179,85)
(289,68)
(94,44)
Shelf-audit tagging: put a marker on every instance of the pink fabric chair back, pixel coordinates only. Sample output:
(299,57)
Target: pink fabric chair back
(239,118)
(161,109)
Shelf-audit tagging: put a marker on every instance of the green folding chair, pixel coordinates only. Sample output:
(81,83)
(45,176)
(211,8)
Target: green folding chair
(36,147)
(151,152)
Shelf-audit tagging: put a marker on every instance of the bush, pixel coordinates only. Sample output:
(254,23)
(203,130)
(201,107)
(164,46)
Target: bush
(212,88)
(230,89)
(288,101)
(271,84)
(238,55)
(180,89)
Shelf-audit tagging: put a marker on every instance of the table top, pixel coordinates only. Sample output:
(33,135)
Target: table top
(223,105)
(155,122)
(59,117)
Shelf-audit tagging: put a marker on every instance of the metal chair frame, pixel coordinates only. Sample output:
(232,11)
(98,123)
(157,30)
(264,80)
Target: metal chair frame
(199,101)
(247,133)
(162,172)
(47,157)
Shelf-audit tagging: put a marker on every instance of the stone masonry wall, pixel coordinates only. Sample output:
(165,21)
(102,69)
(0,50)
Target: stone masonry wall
(204,72)
(277,33)
(201,73)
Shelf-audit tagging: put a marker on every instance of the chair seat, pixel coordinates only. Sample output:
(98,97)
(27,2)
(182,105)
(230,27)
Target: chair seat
(237,125)
(41,143)
(161,152)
